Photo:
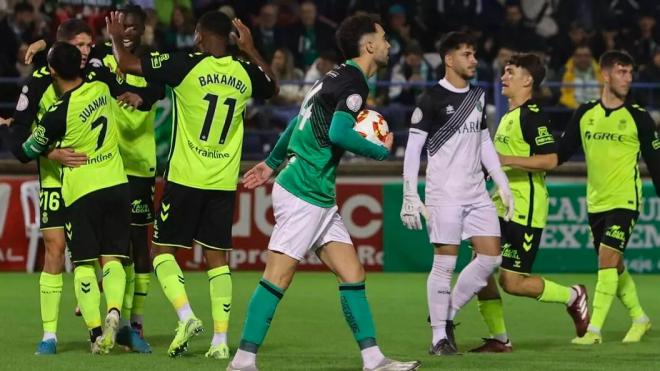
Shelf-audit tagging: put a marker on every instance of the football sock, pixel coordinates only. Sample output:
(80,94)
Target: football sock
(627,293)
(606,288)
(220,288)
(50,292)
(260,312)
(438,291)
(472,279)
(114,284)
(88,294)
(555,293)
(171,280)
(142,281)
(493,314)
(129,291)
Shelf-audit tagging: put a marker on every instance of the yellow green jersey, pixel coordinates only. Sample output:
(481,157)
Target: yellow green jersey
(524,132)
(612,140)
(210,95)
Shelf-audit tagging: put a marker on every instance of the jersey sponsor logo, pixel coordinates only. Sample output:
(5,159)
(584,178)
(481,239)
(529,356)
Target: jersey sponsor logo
(354,102)
(598,135)
(99,158)
(139,207)
(158,59)
(224,80)
(449,109)
(616,233)
(533,107)
(499,138)
(656,143)
(95,105)
(22,103)
(39,135)
(543,136)
(469,127)
(206,152)
(417,116)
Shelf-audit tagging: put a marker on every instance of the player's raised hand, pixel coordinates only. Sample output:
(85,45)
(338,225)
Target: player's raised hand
(389,141)
(33,49)
(115,25)
(244,38)
(129,99)
(67,157)
(257,176)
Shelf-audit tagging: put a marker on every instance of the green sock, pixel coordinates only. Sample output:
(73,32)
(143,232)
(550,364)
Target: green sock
(605,290)
(493,314)
(261,310)
(50,288)
(171,280)
(554,293)
(627,293)
(357,314)
(142,281)
(220,289)
(88,294)
(129,291)
(114,284)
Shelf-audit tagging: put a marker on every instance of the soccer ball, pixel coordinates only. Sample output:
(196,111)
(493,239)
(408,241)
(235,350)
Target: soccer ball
(372,126)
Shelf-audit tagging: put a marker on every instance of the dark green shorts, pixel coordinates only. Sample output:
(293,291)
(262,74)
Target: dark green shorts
(613,228)
(51,208)
(142,200)
(519,246)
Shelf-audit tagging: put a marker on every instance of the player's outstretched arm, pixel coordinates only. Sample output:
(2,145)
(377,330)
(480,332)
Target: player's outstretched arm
(533,163)
(257,176)
(570,141)
(278,154)
(126,61)
(33,49)
(342,135)
(412,206)
(491,162)
(245,43)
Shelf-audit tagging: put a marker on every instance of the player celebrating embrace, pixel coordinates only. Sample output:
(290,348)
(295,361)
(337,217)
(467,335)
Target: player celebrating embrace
(525,144)
(450,119)
(304,204)
(613,131)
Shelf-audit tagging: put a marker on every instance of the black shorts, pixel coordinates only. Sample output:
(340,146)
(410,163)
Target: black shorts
(142,200)
(98,224)
(519,246)
(612,228)
(189,215)
(51,208)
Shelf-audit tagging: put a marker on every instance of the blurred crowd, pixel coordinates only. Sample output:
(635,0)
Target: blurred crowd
(297,38)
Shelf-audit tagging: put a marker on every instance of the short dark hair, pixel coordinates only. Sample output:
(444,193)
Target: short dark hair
(532,64)
(68,29)
(135,10)
(65,59)
(215,22)
(614,57)
(453,41)
(350,32)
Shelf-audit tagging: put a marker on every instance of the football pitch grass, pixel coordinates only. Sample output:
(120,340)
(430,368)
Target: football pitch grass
(309,332)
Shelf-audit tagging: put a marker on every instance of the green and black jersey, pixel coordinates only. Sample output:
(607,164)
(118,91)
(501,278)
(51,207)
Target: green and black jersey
(612,140)
(135,128)
(210,96)
(524,132)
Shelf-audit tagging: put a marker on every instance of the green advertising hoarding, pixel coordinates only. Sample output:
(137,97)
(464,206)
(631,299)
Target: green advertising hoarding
(566,245)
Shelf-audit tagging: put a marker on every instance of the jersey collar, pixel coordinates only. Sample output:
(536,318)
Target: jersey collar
(447,85)
(351,62)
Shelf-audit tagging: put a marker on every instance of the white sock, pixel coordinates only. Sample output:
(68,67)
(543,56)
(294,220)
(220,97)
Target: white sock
(502,337)
(438,291)
(243,359)
(137,318)
(49,335)
(573,297)
(593,329)
(472,279)
(372,356)
(184,312)
(219,338)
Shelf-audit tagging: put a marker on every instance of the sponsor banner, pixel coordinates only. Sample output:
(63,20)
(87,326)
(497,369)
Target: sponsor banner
(360,206)
(566,244)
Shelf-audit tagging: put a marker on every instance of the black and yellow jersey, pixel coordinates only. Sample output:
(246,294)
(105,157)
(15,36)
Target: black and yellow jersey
(524,132)
(210,96)
(612,140)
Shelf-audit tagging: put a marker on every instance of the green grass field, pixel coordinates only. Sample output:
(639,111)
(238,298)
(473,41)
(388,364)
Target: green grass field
(309,332)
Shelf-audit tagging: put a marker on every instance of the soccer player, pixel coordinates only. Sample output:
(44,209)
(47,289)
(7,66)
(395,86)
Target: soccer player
(613,131)
(95,194)
(450,119)
(523,132)
(304,203)
(37,95)
(211,90)
(137,147)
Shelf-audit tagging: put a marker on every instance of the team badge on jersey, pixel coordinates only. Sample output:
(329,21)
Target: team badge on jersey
(354,102)
(450,109)
(417,116)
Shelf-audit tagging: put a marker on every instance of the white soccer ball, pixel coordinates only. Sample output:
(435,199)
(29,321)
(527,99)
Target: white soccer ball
(372,126)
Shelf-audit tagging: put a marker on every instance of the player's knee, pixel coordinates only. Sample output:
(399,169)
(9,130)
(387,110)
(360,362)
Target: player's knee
(491,262)
(608,258)
(356,274)
(54,243)
(510,282)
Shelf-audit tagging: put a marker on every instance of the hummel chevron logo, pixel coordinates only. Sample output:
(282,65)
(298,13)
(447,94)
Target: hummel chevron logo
(527,246)
(85,287)
(529,237)
(69,232)
(166,207)
(181,279)
(226,307)
(164,212)
(106,272)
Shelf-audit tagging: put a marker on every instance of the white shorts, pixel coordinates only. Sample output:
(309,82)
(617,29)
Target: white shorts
(301,227)
(451,224)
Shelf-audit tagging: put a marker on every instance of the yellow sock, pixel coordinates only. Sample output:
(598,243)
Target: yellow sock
(114,284)
(88,294)
(129,291)
(493,314)
(554,293)
(50,288)
(627,293)
(171,280)
(220,288)
(142,281)
(605,290)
